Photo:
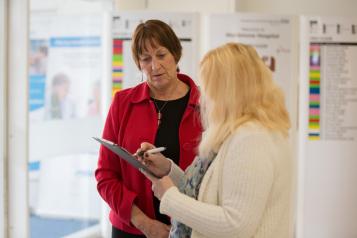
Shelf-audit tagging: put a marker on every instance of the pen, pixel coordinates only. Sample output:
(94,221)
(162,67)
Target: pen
(156,150)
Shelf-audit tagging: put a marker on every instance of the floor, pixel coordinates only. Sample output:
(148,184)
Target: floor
(56,228)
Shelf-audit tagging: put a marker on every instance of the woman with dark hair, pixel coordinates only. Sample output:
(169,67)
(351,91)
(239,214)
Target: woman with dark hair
(164,111)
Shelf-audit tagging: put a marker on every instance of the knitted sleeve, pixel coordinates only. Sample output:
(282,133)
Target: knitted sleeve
(176,173)
(247,177)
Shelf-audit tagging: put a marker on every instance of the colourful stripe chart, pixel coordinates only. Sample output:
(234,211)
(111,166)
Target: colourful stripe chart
(314,92)
(117,66)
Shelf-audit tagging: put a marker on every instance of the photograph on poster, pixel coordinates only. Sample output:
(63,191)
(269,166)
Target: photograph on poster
(60,104)
(94,100)
(269,61)
(38,59)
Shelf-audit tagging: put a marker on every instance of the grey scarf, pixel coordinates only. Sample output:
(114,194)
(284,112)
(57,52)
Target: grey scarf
(190,185)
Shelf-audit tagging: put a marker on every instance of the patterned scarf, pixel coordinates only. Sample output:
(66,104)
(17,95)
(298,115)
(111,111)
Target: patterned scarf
(190,185)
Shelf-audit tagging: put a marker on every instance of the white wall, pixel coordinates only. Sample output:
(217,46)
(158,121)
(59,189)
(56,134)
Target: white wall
(70,6)
(301,7)
(203,6)
(292,7)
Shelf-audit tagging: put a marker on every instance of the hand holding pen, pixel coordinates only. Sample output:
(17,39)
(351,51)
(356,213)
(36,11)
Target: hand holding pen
(153,159)
(158,165)
(141,152)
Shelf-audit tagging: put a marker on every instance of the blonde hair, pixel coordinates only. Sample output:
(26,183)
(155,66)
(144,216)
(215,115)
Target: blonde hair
(237,87)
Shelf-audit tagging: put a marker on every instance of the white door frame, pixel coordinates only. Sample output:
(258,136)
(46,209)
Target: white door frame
(17,118)
(3,35)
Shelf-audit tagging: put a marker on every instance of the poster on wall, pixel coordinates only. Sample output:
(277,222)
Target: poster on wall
(66,77)
(38,58)
(124,71)
(328,127)
(65,66)
(74,74)
(270,35)
(332,79)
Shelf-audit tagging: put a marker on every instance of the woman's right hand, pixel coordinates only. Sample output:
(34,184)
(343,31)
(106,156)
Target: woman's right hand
(156,163)
(150,227)
(156,229)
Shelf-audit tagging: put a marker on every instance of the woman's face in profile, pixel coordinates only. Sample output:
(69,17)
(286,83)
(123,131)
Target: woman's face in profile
(159,66)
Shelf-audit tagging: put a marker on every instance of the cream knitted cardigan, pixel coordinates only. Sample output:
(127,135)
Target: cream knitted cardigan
(245,193)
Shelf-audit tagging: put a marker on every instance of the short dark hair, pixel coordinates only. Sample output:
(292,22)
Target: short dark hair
(155,32)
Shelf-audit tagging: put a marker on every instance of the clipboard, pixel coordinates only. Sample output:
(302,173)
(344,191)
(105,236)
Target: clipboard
(124,154)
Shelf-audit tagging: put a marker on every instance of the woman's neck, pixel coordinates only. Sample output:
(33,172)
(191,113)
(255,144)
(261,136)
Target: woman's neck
(174,91)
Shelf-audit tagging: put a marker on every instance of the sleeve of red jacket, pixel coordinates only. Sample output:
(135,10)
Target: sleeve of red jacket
(108,173)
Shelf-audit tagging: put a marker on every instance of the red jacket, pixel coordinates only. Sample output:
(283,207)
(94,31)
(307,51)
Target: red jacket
(132,119)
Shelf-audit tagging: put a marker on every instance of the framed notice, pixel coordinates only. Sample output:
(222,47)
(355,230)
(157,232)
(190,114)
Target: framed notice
(270,35)
(328,128)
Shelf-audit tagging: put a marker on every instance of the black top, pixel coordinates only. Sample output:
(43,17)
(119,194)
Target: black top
(168,135)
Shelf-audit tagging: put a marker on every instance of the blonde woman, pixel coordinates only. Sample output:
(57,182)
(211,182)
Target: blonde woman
(240,185)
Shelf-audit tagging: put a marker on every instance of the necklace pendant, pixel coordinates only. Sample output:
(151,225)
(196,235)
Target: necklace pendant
(159,114)
(158,118)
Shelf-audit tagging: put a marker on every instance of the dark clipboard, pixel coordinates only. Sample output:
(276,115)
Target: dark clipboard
(124,154)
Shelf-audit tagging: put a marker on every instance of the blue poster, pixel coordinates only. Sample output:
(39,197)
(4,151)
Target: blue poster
(37,73)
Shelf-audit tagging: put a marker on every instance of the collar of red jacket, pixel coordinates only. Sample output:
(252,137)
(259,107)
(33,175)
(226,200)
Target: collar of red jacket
(142,91)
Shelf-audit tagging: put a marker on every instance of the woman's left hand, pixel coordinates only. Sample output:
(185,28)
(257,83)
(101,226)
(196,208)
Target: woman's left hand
(159,186)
